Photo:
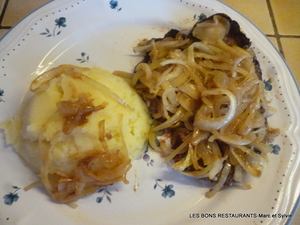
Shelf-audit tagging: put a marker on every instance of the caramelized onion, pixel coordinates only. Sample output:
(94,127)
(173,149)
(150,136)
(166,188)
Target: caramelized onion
(175,118)
(217,28)
(207,123)
(221,180)
(76,73)
(208,101)
(75,111)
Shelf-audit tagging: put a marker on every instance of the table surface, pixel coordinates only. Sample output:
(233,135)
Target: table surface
(282,28)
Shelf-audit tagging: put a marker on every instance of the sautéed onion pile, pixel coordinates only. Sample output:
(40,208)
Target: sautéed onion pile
(205,93)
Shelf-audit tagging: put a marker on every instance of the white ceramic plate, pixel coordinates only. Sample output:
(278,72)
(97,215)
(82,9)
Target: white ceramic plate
(102,33)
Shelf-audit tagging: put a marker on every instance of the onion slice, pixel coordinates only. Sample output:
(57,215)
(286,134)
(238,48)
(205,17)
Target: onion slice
(204,123)
(222,179)
(174,119)
(76,73)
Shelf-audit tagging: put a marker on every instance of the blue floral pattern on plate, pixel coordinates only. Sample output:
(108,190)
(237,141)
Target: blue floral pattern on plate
(268,85)
(200,17)
(60,22)
(276,149)
(105,194)
(84,58)
(146,157)
(12,197)
(1,95)
(115,5)
(167,191)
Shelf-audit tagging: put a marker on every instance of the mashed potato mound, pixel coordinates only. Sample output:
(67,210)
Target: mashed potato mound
(80,130)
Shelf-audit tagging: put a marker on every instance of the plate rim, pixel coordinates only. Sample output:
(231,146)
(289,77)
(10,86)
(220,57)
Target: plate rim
(55,3)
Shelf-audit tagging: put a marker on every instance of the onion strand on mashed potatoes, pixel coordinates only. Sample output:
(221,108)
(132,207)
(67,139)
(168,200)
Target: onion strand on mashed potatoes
(80,130)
